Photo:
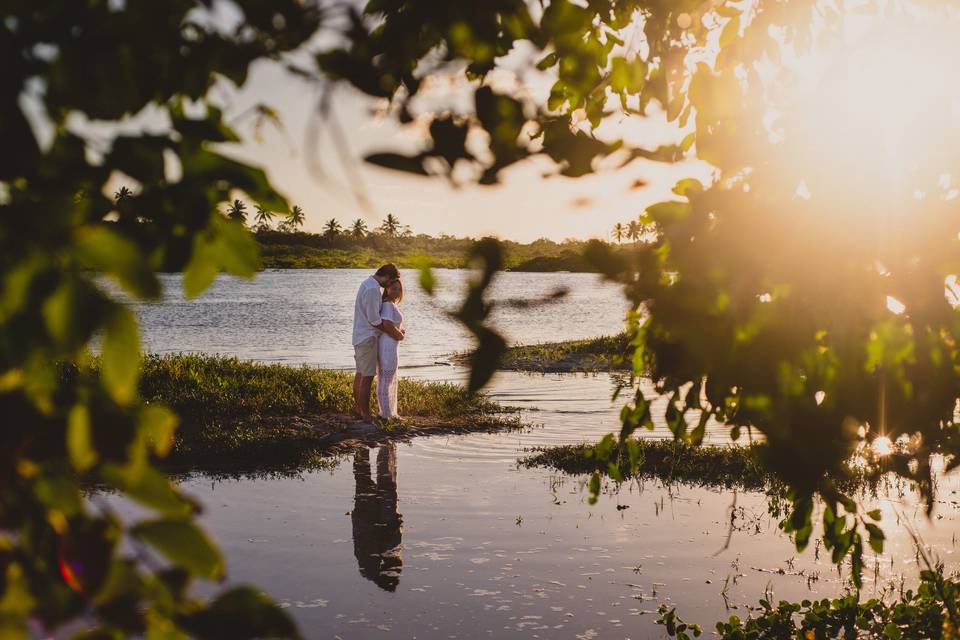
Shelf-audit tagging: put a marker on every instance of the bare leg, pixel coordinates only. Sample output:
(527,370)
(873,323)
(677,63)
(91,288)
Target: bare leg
(364,402)
(357,409)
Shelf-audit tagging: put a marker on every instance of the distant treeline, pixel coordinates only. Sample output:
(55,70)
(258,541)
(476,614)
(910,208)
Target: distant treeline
(358,248)
(286,246)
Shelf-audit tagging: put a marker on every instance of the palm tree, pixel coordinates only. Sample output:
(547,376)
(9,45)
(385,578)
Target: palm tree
(263,217)
(358,229)
(391,225)
(619,232)
(237,211)
(634,230)
(122,194)
(296,217)
(332,228)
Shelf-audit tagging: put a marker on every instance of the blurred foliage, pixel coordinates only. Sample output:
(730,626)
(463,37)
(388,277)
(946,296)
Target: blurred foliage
(929,612)
(799,293)
(100,96)
(760,304)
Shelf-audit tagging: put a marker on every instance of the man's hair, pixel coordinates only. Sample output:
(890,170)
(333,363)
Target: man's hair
(388,270)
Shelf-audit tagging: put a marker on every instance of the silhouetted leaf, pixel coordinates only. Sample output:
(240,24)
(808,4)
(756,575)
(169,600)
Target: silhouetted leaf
(183,543)
(410,164)
(242,613)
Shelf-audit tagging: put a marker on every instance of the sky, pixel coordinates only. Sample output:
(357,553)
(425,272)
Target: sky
(524,207)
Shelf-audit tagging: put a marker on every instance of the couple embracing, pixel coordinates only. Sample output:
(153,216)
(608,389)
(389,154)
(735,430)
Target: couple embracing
(377,332)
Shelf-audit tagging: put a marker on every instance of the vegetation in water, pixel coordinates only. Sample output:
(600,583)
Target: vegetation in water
(605,353)
(712,466)
(718,466)
(928,612)
(237,415)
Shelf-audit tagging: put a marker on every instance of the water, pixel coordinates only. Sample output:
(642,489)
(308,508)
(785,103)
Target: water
(446,537)
(304,316)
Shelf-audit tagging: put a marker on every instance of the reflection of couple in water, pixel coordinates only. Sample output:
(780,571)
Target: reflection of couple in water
(377,542)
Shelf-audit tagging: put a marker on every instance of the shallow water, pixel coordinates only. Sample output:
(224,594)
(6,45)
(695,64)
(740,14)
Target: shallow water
(445,537)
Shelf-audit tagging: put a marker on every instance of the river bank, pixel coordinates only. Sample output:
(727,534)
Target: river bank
(238,414)
(591,355)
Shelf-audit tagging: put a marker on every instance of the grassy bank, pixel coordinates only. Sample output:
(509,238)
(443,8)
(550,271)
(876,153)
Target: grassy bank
(722,467)
(299,250)
(606,353)
(725,467)
(236,413)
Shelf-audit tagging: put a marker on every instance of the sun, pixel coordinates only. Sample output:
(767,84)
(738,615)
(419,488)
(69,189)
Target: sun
(874,109)
(882,446)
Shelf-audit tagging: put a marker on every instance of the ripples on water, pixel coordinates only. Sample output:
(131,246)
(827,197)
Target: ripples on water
(445,537)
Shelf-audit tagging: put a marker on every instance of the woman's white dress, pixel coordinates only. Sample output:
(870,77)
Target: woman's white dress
(389,362)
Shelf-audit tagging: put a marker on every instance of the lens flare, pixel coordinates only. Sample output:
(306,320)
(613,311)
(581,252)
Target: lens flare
(882,446)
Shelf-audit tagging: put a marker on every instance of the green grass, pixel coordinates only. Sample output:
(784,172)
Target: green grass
(726,467)
(241,413)
(606,353)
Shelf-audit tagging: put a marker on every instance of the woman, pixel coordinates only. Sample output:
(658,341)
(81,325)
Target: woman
(387,347)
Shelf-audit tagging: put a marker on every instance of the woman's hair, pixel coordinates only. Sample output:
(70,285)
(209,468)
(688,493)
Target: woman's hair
(386,295)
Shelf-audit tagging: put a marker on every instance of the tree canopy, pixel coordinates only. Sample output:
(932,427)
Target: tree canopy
(71,70)
(764,302)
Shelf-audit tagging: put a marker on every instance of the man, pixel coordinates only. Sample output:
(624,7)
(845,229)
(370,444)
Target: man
(366,327)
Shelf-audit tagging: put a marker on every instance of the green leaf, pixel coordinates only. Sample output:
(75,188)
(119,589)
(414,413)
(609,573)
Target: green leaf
(120,355)
(80,438)
(548,61)
(202,269)
(594,487)
(428,281)
(688,187)
(184,544)
(876,536)
(696,436)
(103,249)
(243,613)
(157,425)
(666,213)
(225,245)
(73,311)
(150,488)
(122,580)
(140,157)
(234,248)
(58,491)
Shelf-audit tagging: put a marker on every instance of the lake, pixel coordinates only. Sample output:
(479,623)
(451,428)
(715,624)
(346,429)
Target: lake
(446,537)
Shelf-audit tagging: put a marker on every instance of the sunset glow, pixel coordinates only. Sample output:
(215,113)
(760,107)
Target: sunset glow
(871,111)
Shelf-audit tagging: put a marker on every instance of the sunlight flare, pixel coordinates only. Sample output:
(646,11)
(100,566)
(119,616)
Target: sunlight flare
(872,109)
(882,446)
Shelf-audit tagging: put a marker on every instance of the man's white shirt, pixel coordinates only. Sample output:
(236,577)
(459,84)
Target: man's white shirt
(366,311)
